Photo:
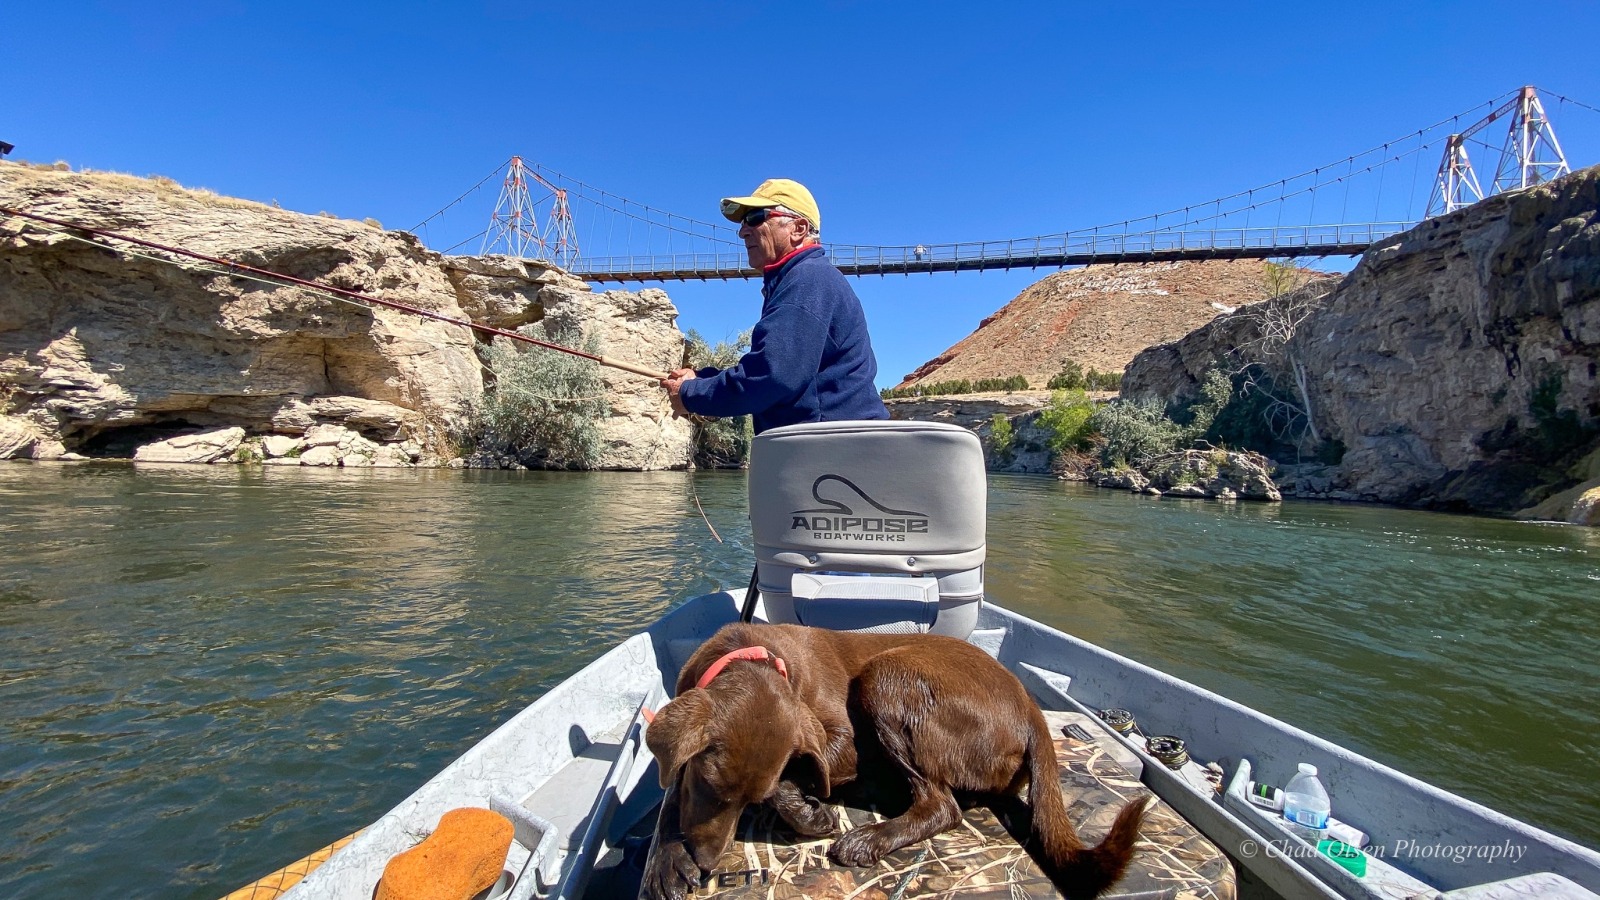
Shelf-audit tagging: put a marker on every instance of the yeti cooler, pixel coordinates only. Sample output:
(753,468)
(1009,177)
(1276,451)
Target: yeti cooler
(869,526)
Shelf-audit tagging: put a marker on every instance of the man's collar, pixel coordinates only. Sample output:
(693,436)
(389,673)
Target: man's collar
(773,267)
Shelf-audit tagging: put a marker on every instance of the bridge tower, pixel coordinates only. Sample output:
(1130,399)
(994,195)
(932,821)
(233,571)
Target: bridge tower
(1531,155)
(514,226)
(1457,182)
(513,230)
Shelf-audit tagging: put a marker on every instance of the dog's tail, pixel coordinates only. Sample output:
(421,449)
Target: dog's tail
(1079,871)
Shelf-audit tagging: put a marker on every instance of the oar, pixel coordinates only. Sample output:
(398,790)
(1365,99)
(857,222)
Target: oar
(341,292)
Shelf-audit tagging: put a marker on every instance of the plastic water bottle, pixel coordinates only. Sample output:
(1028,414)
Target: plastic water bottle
(1305,804)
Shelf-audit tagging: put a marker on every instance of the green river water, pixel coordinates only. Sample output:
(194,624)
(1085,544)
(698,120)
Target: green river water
(209,672)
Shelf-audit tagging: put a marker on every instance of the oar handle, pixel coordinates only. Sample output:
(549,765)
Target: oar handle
(630,367)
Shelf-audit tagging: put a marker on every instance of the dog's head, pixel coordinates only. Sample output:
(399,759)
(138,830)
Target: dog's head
(728,745)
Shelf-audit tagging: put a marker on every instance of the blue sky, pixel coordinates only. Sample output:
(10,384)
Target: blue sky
(926,122)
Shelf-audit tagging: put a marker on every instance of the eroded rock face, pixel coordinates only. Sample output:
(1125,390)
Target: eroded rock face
(640,328)
(1458,365)
(104,351)
(96,341)
(18,437)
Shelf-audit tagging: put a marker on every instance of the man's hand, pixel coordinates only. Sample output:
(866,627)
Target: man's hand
(673,383)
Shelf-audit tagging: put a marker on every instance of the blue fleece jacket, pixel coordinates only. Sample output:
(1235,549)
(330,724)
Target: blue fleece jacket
(810,359)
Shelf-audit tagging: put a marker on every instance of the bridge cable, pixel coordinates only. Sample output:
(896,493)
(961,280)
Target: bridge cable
(1377,205)
(464,196)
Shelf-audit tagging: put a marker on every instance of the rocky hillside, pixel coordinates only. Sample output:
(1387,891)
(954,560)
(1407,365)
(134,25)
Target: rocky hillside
(104,351)
(1457,366)
(1099,317)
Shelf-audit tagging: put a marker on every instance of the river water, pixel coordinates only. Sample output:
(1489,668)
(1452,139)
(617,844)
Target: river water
(209,672)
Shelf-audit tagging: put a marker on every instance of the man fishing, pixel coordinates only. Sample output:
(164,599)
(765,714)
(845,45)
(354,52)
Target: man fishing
(810,358)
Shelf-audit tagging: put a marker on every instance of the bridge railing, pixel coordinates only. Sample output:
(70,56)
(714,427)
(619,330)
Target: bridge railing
(1070,248)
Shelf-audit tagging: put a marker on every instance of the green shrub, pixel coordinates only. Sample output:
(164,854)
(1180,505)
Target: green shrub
(1070,378)
(1002,436)
(1066,420)
(1135,431)
(1103,381)
(719,443)
(992,385)
(958,386)
(1258,415)
(1216,391)
(542,407)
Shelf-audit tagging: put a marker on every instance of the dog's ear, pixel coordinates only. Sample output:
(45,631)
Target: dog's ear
(810,745)
(681,729)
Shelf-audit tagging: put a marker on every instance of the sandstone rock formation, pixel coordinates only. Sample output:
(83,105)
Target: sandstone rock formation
(201,447)
(1099,317)
(967,410)
(641,328)
(103,351)
(1458,365)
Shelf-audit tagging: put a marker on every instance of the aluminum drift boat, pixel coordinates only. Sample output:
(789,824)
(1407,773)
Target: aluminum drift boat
(842,541)
(574,760)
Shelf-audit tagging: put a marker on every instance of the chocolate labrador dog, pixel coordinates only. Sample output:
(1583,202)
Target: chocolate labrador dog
(763,714)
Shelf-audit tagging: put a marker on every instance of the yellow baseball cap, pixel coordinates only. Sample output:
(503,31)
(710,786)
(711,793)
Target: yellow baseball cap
(791,195)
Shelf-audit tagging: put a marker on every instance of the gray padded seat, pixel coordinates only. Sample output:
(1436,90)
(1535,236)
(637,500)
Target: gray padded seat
(870,526)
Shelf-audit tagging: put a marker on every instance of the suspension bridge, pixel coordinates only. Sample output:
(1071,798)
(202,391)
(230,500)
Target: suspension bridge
(1339,209)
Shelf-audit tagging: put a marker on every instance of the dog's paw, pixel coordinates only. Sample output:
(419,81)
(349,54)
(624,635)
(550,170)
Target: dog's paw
(808,816)
(821,819)
(815,820)
(672,873)
(859,847)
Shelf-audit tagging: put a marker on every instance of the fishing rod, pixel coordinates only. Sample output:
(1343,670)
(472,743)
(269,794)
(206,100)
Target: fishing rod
(341,292)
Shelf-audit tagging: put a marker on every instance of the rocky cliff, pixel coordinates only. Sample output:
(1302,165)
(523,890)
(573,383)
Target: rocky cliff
(104,351)
(1099,317)
(1455,366)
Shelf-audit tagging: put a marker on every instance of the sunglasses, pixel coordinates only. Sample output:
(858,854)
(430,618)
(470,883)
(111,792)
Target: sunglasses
(756,216)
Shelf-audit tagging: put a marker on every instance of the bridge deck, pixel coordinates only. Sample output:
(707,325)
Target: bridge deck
(1057,252)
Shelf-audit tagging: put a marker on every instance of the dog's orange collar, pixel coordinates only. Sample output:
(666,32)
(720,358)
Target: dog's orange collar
(756,653)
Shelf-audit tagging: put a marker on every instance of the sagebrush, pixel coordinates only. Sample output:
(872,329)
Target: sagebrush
(719,443)
(542,407)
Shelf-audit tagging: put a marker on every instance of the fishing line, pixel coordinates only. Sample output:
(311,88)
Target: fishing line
(222,273)
(338,292)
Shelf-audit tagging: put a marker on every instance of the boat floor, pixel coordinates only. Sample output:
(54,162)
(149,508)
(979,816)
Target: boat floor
(982,857)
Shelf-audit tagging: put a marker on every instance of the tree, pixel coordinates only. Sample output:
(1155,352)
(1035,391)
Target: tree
(1292,294)
(1069,378)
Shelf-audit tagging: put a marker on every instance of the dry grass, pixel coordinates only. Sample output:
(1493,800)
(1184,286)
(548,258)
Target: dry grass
(167,188)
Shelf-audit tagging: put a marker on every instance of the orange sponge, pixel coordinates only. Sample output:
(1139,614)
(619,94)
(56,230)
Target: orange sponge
(463,856)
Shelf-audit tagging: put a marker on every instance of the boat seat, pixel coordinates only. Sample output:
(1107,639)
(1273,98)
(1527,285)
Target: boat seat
(873,526)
